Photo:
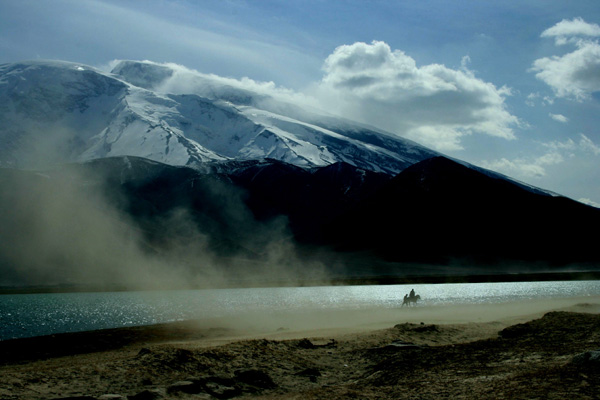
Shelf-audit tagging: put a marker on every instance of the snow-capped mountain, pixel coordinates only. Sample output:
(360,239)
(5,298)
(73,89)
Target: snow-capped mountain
(54,111)
(209,179)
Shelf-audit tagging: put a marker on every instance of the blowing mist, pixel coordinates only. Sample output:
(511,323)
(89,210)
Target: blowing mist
(128,223)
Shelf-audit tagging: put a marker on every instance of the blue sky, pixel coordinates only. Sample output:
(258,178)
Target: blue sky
(513,86)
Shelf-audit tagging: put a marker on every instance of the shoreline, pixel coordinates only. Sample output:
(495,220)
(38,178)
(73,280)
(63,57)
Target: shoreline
(285,325)
(513,350)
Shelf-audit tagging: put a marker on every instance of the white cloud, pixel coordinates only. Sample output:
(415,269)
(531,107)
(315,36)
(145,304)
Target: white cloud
(566,30)
(518,167)
(559,118)
(586,144)
(555,153)
(93,31)
(184,80)
(432,104)
(576,74)
(531,98)
(567,145)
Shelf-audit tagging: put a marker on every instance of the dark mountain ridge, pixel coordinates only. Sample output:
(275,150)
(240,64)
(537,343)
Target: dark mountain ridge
(436,212)
(440,211)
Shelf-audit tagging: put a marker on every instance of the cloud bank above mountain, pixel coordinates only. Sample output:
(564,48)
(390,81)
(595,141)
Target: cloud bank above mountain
(432,104)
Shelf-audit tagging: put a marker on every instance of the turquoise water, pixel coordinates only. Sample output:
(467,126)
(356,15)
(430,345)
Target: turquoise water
(27,315)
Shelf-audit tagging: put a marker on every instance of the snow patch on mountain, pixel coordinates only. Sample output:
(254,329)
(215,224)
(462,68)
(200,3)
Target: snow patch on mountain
(87,114)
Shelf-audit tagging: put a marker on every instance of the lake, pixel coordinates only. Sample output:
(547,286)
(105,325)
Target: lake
(27,315)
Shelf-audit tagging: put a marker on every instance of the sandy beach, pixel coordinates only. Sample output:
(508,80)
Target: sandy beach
(536,349)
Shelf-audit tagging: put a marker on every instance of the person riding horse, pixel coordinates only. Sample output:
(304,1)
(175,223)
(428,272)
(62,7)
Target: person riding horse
(412,298)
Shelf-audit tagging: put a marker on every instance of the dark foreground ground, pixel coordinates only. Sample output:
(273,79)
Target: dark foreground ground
(547,358)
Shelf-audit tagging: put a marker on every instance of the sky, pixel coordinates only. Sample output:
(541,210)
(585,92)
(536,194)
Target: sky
(513,86)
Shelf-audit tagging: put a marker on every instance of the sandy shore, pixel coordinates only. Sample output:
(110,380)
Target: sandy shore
(510,350)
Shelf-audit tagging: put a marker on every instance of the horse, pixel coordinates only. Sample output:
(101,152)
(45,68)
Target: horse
(408,300)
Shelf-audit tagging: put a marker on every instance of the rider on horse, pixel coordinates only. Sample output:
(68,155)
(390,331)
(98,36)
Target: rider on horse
(412,298)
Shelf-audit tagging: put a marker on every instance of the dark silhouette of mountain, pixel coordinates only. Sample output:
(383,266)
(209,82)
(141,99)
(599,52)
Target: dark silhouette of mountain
(179,205)
(436,212)
(308,198)
(439,211)
(233,205)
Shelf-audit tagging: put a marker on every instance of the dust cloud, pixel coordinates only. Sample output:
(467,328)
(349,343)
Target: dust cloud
(66,227)
(474,320)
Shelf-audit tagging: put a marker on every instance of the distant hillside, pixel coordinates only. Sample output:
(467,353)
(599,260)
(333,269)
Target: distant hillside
(439,211)
(125,219)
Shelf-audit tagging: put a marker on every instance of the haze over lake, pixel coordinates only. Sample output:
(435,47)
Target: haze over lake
(26,315)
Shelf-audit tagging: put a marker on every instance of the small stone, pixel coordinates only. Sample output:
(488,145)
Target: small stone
(144,351)
(306,344)
(221,388)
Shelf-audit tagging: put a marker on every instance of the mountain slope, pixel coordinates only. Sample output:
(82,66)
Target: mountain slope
(440,211)
(132,221)
(328,132)
(307,199)
(52,112)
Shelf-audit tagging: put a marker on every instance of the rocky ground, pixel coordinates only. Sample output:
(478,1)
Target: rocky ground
(552,357)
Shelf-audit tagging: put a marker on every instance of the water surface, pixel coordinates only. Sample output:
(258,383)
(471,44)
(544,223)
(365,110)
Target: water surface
(27,315)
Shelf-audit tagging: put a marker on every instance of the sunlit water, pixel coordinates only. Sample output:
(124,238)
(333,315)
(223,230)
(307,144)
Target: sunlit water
(26,315)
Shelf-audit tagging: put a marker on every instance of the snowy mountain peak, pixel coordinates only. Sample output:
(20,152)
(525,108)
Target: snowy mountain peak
(142,74)
(174,79)
(54,111)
